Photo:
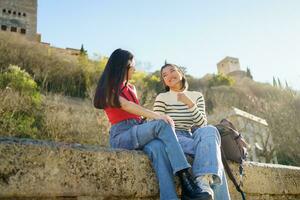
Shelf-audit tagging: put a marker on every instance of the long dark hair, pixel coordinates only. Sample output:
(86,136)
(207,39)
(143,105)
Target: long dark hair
(108,88)
(184,81)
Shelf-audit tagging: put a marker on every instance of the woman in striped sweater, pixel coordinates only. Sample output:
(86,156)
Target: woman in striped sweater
(187,109)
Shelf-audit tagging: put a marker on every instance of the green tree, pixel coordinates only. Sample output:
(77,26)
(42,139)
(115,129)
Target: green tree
(83,51)
(279,83)
(248,73)
(286,85)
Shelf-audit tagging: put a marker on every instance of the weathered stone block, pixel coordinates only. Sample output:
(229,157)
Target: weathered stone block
(32,169)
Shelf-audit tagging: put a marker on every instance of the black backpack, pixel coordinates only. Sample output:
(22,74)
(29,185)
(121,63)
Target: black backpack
(233,148)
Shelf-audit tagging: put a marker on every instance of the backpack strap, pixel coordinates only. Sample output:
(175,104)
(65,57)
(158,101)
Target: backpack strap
(231,176)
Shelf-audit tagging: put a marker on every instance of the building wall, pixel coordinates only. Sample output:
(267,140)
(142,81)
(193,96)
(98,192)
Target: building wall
(258,137)
(255,131)
(228,64)
(19,16)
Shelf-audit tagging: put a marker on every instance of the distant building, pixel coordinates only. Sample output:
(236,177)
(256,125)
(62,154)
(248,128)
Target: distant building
(20,17)
(254,129)
(70,51)
(228,65)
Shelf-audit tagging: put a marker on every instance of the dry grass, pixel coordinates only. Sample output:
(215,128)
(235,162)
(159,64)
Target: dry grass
(14,108)
(74,120)
(60,118)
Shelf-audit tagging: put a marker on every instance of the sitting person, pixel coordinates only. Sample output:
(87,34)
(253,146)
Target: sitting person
(156,138)
(187,109)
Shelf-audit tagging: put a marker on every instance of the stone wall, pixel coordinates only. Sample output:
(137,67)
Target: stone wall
(20,17)
(228,64)
(33,169)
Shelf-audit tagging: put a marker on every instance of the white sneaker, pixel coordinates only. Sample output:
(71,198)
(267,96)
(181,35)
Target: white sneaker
(204,183)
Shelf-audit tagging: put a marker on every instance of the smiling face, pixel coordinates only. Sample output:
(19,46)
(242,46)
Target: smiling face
(172,77)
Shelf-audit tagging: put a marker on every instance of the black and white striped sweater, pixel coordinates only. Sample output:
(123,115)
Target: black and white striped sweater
(184,117)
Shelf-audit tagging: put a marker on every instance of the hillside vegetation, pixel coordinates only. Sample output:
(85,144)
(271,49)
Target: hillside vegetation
(47,94)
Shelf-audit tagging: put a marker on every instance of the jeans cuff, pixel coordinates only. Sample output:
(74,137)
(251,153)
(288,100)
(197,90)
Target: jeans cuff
(217,176)
(177,169)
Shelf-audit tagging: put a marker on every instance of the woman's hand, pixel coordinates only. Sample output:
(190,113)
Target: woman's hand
(185,99)
(166,118)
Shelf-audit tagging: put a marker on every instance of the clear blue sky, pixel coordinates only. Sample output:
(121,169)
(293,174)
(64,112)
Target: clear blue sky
(264,35)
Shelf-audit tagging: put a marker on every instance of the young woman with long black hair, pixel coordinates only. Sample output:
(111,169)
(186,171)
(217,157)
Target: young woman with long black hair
(187,109)
(156,138)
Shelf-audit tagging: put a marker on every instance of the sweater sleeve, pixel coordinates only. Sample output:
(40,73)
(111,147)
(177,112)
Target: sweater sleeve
(159,105)
(198,110)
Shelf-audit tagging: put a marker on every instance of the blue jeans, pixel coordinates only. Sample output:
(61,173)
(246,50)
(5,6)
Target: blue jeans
(204,146)
(221,190)
(158,140)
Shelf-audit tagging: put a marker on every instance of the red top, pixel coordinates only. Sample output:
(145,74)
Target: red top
(116,115)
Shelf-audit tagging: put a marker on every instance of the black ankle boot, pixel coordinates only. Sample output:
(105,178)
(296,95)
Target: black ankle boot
(190,191)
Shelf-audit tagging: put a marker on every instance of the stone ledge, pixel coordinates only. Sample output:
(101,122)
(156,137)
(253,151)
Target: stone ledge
(46,170)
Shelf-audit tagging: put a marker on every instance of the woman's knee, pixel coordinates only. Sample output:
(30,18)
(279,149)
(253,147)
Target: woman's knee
(211,128)
(155,146)
(161,125)
(207,131)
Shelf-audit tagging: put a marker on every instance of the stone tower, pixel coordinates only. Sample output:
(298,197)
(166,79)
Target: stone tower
(228,65)
(19,17)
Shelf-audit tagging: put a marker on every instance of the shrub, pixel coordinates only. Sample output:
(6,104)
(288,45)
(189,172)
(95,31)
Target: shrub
(19,80)
(20,113)
(53,69)
(220,79)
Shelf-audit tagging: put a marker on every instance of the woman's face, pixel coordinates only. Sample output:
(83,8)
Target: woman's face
(131,69)
(171,76)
